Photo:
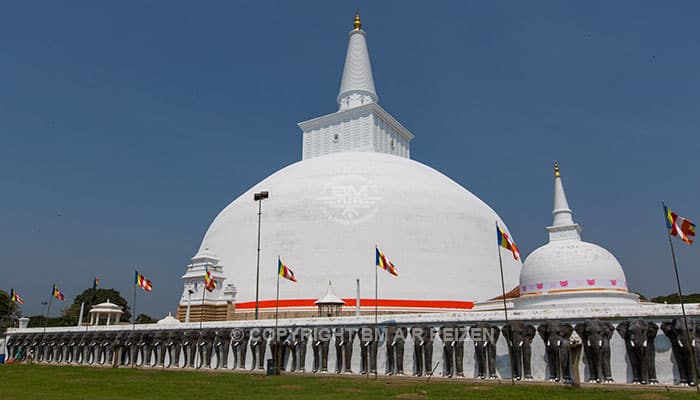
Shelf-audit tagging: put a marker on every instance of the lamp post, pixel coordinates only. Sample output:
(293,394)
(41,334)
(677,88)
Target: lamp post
(259,197)
(43,306)
(189,305)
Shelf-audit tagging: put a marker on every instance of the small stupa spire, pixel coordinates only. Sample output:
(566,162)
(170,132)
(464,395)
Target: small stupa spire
(563,225)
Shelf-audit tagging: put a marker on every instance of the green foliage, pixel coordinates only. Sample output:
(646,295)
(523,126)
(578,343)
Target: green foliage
(641,296)
(9,309)
(91,297)
(145,319)
(673,298)
(38,321)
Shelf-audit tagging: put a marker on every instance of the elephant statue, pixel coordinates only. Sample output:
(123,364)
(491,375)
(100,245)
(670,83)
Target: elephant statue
(119,349)
(369,344)
(519,336)
(320,345)
(40,341)
(257,350)
(58,350)
(452,337)
(173,347)
(105,349)
(639,336)
(485,336)
(205,345)
(146,347)
(13,345)
(159,346)
(65,345)
(93,348)
(422,350)
(239,345)
(34,346)
(395,342)
(83,349)
(596,335)
(46,351)
(189,348)
(50,348)
(222,344)
(278,348)
(298,339)
(134,346)
(73,349)
(681,342)
(26,342)
(344,338)
(555,335)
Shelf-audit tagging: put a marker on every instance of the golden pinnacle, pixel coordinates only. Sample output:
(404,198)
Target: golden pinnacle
(556,170)
(357,24)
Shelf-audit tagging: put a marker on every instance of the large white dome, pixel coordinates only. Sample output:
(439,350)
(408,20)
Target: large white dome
(324,217)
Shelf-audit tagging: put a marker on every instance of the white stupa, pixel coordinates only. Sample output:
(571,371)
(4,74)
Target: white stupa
(355,188)
(567,270)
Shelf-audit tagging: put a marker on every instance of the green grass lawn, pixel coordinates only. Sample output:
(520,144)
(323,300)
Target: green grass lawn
(58,382)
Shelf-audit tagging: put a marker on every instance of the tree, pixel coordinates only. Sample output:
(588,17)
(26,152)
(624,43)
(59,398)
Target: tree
(673,298)
(92,297)
(145,319)
(641,296)
(8,310)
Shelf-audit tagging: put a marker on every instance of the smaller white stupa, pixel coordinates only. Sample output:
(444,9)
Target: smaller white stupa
(567,270)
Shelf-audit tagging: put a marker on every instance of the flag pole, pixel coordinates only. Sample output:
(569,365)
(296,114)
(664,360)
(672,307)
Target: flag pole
(503,289)
(9,308)
(376,310)
(133,302)
(201,309)
(92,300)
(48,309)
(680,298)
(201,320)
(277,307)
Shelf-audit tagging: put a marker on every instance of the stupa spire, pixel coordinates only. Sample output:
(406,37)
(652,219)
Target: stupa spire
(357,84)
(563,225)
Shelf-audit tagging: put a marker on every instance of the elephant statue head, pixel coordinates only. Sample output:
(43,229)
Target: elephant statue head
(519,336)
(422,349)
(639,343)
(555,335)
(681,342)
(596,335)
(485,336)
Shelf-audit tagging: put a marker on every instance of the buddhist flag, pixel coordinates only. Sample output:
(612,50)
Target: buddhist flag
(209,281)
(95,283)
(284,271)
(679,226)
(505,242)
(15,297)
(384,263)
(57,293)
(143,283)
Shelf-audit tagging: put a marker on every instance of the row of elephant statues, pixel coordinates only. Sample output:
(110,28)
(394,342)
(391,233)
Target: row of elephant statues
(288,348)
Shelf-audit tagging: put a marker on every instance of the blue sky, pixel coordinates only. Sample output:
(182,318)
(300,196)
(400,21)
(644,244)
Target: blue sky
(126,127)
